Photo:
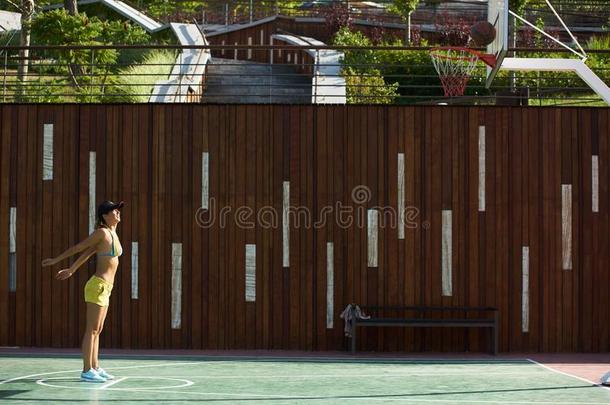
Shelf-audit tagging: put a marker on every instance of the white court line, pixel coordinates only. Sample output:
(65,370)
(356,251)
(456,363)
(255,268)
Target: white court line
(378,375)
(569,375)
(90,386)
(112,382)
(80,369)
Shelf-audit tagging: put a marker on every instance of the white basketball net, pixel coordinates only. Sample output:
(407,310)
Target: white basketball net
(454,67)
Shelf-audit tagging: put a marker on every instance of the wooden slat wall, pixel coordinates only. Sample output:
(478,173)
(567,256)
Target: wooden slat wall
(150,156)
(240,37)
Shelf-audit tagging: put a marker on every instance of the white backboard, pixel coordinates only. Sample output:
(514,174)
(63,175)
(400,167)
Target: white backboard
(497,15)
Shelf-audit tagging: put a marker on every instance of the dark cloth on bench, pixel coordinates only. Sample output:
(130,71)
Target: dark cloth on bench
(349,314)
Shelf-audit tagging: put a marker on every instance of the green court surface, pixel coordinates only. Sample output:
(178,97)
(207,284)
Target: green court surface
(172,380)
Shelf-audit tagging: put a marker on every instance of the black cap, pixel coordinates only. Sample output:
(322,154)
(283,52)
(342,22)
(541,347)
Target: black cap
(108,206)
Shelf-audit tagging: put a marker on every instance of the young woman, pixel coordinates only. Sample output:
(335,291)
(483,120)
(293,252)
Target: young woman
(105,242)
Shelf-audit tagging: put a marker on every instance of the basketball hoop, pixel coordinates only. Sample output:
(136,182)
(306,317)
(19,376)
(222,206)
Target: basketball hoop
(454,66)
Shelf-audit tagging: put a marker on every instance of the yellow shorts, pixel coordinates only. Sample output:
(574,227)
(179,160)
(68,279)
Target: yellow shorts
(97,291)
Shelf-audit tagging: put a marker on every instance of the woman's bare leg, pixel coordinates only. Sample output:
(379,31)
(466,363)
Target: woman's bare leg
(94,326)
(96,343)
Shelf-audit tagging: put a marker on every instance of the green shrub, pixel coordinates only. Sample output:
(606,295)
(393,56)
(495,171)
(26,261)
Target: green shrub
(135,83)
(364,81)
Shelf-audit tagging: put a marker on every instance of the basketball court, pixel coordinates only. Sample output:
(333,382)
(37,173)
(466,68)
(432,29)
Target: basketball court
(268,378)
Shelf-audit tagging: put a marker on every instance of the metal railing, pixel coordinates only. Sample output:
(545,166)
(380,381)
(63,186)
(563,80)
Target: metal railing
(258,74)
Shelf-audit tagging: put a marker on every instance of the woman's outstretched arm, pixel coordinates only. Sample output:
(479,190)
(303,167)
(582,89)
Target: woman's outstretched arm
(91,242)
(82,259)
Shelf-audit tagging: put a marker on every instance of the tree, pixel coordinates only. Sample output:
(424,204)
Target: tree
(87,69)
(71,7)
(337,17)
(404,9)
(518,6)
(27,9)
(365,83)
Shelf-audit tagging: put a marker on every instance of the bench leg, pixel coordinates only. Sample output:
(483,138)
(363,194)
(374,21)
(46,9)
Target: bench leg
(495,340)
(353,339)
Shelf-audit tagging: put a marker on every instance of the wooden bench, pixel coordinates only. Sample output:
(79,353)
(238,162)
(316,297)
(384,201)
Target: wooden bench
(422,319)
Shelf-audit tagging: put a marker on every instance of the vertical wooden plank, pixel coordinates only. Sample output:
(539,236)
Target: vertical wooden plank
(22,209)
(224,304)
(158,121)
(146,236)
(434,202)
(580,145)
(554,242)
(205,237)
(368,173)
(187,208)
(252,172)
(130,242)
(394,235)
(535,228)
(492,149)
(73,337)
(113,154)
(475,159)
(545,253)
(268,259)
(603,246)
(278,203)
(557,276)
(412,290)
(518,273)
(321,199)
(5,173)
(293,171)
(125,140)
(259,234)
(215,170)
(286,152)
(32,175)
(200,203)
(234,266)
(460,210)
(84,135)
(348,140)
(308,269)
(175,234)
(12,180)
(502,227)
(338,155)
(376,183)
(450,237)
(586,269)
(359,161)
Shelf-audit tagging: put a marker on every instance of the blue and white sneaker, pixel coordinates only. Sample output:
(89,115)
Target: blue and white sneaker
(102,373)
(92,376)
